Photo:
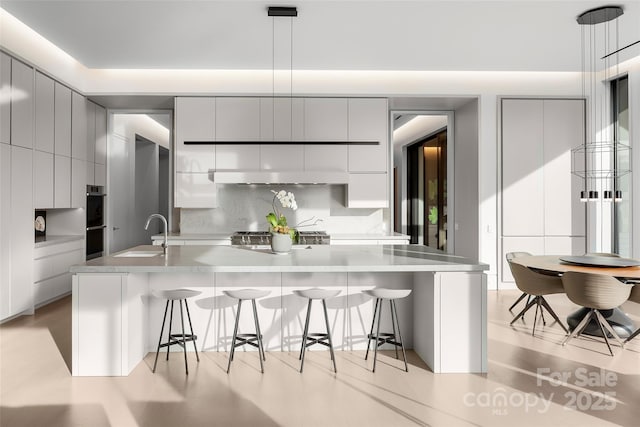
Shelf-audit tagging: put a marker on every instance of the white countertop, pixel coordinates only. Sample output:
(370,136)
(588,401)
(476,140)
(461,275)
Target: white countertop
(54,240)
(317,258)
(381,236)
(226,236)
(179,236)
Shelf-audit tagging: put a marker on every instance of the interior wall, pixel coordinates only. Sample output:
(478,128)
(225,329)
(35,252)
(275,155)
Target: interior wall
(466,222)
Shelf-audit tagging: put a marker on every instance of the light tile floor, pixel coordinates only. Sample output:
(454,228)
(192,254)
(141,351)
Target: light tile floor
(36,388)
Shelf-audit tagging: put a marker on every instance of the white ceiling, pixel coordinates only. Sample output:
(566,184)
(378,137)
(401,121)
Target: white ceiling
(521,35)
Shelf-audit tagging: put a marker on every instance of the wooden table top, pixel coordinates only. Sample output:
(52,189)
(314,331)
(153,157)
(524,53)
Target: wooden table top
(552,263)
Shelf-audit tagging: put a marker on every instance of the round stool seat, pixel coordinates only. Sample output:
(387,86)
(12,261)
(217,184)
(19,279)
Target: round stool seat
(175,294)
(387,293)
(247,293)
(317,293)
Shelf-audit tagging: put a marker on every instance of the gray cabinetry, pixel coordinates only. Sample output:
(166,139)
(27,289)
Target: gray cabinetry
(5,107)
(21,104)
(62,113)
(78,126)
(541,212)
(44,116)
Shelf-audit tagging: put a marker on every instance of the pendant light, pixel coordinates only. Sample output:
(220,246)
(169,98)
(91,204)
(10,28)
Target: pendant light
(596,160)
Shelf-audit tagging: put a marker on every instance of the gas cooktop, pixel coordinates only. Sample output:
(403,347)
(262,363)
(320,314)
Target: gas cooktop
(264,238)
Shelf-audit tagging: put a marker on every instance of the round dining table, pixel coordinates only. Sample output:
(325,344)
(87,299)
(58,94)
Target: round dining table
(624,269)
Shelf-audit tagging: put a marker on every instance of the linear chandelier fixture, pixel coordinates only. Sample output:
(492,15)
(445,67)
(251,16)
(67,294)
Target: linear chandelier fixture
(597,160)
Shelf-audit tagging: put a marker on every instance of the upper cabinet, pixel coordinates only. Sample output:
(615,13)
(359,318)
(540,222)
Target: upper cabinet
(237,119)
(44,137)
(368,123)
(21,104)
(101,137)
(195,122)
(91,131)
(325,119)
(5,107)
(62,117)
(282,119)
(78,126)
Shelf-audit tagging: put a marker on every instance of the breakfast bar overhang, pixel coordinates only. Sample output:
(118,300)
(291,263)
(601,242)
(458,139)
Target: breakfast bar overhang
(115,318)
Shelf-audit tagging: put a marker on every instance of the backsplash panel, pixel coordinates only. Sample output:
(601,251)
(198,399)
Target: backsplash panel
(244,207)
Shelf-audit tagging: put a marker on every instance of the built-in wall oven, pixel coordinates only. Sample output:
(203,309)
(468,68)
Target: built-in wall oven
(95,221)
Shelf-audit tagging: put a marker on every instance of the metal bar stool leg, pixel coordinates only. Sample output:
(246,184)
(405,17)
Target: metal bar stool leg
(170,325)
(326,321)
(375,349)
(235,333)
(393,325)
(305,335)
(184,342)
(164,319)
(258,331)
(195,347)
(404,355)
(373,323)
(260,350)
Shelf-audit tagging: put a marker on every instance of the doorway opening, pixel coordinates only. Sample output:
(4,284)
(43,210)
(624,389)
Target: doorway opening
(423,177)
(139,181)
(427,190)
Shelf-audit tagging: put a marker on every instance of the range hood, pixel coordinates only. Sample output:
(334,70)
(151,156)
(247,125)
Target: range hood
(278,177)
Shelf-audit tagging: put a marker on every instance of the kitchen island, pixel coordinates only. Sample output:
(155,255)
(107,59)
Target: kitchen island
(116,320)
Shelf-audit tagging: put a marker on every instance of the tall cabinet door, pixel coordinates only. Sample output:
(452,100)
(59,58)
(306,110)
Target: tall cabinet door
(21,229)
(44,138)
(78,126)
(564,126)
(522,173)
(62,131)
(5,231)
(5,107)
(21,104)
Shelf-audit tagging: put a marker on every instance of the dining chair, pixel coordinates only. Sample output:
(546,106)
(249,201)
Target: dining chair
(510,256)
(595,292)
(536,285)
(634,296)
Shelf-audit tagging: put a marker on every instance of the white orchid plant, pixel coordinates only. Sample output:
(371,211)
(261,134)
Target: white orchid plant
(278,222)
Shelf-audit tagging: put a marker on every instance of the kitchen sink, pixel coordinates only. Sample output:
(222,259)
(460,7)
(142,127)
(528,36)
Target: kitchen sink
(138,254)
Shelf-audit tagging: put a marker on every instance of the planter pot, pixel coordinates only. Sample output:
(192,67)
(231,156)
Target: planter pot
(281,243)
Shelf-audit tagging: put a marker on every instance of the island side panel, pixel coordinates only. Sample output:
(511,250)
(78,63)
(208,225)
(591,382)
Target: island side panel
(135,320)
(450,332)
(97,325)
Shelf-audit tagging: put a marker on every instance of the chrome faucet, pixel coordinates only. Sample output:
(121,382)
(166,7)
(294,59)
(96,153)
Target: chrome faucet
(164,220)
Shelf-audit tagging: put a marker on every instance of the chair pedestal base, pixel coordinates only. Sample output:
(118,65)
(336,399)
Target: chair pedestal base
(620,322)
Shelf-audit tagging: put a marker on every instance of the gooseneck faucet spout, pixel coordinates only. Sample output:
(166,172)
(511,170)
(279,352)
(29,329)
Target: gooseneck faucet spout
(164,221)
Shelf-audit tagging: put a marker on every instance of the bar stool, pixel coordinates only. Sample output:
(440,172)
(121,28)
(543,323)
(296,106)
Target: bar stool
(242,339)
(309,339)
(381,294)
(176,339)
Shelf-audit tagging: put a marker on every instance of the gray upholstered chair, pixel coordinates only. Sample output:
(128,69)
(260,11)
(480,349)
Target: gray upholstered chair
(596,292)
(635,297)
(510,256)
(536,285)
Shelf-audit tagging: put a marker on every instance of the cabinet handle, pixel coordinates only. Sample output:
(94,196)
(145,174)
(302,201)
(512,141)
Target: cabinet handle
(116,228)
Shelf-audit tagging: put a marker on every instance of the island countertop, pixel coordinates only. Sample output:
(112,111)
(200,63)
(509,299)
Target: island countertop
(316,258)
